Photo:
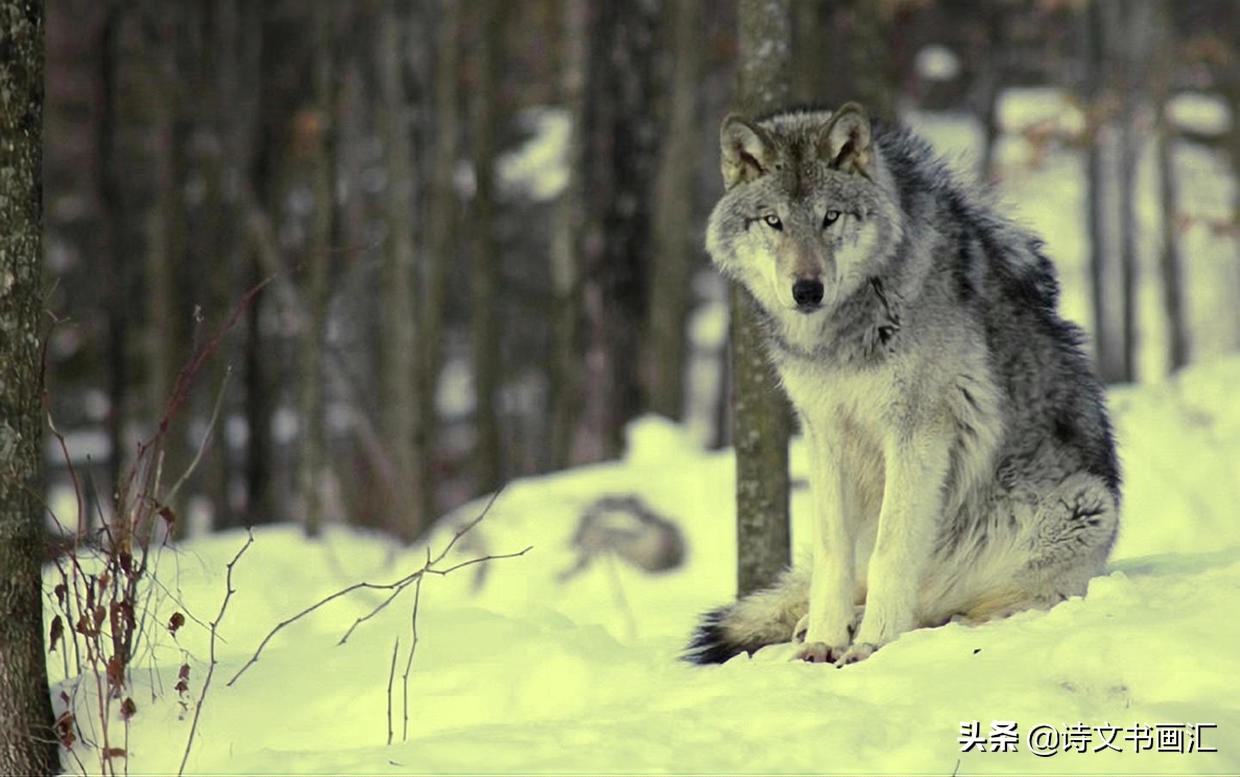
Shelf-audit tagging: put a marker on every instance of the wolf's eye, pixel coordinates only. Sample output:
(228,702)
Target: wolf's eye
(831,217)
(773,221)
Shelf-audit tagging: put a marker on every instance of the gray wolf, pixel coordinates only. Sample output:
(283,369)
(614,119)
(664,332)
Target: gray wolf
(962,462)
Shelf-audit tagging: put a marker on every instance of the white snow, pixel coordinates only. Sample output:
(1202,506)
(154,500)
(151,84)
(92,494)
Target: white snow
(515,672)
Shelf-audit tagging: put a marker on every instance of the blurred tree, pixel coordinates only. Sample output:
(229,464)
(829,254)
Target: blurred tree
(318,135)
(761,417)
(401,343)
(676,244)
(564,397)
(1170,261)
(27,741)
(484,286)
(619,135)
(1098,97)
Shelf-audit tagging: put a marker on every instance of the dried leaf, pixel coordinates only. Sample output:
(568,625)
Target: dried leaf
(64,728)
(57,633)
(116,672)
(61,590)
(170,519)
(175,622)
(115,752)
(128,708)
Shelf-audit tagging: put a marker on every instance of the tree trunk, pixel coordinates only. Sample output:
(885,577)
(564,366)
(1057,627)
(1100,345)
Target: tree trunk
(27,742)
(399,346)
(761,420)
(619,134)
(675,243)
(1170,263)
(484,286)
(564,398)
(318,258)
(1095,87)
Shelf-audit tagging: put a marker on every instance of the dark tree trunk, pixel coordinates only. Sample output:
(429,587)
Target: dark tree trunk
(1171,264)
(1108,355)
(675,244)
(321,168)
(619,134)
(27,742)
(761,419)
(484,285)
(565,256)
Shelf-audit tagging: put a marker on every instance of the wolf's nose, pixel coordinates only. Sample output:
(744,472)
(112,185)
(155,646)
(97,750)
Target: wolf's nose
(807,294)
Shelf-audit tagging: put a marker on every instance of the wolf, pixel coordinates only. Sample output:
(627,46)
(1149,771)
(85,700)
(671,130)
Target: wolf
(962,461)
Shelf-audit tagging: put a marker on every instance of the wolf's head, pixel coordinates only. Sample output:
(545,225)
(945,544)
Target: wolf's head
(809,210)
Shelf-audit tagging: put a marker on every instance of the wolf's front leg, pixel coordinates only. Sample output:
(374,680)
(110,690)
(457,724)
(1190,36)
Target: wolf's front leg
(916,466)
(830,619)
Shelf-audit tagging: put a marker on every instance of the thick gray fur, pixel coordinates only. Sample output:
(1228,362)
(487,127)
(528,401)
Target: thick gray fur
(963,466)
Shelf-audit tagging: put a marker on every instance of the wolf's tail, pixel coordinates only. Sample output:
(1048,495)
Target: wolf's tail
(762,618)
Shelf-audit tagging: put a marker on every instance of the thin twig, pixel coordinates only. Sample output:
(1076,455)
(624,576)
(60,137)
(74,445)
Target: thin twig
(391,676)
(206,683)
(396,587)
(413,626)
(206,437)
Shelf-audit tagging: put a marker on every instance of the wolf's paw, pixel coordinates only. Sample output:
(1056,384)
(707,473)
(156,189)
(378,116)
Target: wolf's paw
(819,653)
(858,652)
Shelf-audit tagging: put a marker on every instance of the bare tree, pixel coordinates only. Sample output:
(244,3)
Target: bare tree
(564,403)
(1170,262)
(761,418)
(27,742)
(484,285)
(675,243)
(1098,98)
(320,144)
(400,344)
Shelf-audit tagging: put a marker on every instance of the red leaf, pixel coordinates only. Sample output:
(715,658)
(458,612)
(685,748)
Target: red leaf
(115,752)
(128,709)
(175,622)
(183,672)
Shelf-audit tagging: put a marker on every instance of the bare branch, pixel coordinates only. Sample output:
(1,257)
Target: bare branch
(206,683)
(395,587)
(391,677)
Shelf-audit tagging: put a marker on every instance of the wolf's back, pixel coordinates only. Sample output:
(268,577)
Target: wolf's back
(763,618)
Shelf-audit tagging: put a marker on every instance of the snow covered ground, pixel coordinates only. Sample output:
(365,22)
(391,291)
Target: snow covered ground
(518,672)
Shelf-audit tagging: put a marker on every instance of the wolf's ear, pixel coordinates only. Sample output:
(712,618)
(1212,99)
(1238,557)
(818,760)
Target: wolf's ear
(844,141)
(747,151)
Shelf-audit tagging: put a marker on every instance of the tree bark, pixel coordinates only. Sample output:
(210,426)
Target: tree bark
(1170,262)
(399,346)
(318,257)
(484,286)
(619,135)
(565,259)
(675,244)
(761,419)
(27,742)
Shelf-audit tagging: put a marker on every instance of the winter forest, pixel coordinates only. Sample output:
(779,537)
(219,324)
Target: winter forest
(325,299)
